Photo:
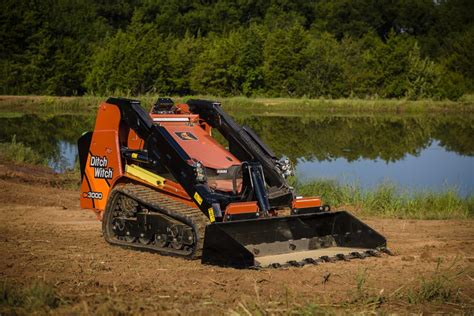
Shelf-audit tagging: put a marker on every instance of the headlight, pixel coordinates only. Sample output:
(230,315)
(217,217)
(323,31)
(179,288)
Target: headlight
(200,172)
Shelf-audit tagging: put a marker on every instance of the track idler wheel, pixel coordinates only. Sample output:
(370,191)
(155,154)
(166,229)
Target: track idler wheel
(161,240)
(176,238)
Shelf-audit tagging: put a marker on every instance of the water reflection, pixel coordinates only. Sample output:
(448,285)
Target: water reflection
(387,138)
(52,137)
(420,151)
(432,169)
(66,158)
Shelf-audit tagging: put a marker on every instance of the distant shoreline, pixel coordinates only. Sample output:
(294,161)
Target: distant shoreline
(83,104)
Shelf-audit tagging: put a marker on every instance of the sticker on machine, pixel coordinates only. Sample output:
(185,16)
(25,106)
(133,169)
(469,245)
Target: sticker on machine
(92,195)
(186,135)
(101,169)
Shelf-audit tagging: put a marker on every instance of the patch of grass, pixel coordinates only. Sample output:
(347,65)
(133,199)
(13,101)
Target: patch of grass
(279,308)
(312,309)
(347,105)
(38,297)
(390,201)
(113,307)
(438,287)
(19,153)
(467,98)
(10,114)
(285,304)
(9,296)
(49,104)
(363,295)
(83,104)
(361,280)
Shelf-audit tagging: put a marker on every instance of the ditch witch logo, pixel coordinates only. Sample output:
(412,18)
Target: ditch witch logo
(100,167)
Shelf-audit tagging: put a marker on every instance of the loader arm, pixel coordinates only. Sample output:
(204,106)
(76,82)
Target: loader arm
(247,146)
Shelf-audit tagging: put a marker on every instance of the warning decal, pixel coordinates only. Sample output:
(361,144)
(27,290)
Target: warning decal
(186,135)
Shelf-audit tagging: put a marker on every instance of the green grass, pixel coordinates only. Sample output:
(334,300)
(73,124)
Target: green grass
(10,115)
(19,153)
(363,296)
(38,297)
(84,104)
(346,105)
(390,201)
(437,287)
(280,307)
(48,104)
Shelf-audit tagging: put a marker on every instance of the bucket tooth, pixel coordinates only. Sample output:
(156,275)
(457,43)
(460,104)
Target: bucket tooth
(295,263)
(385,250)
(342,257)
(310,261)
(326,259)
(372,253)
(357,255)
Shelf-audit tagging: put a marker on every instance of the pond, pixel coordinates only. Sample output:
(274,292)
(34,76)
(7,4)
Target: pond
(419,152)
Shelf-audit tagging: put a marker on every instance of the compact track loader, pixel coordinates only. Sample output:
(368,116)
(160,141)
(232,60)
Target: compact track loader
(160,182)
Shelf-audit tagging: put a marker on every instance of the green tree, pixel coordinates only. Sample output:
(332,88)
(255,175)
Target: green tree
(230,65)
(215,71)
(282,59)
(46,45)
(398,48)
(133,61)
(117,13)
(323,73)
(422,77)
(459,55)
(182,55)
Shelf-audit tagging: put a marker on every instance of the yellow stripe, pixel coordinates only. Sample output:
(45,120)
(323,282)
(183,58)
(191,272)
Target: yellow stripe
(134,155)
(145,175)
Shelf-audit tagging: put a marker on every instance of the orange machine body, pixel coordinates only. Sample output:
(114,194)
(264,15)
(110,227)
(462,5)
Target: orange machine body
(103,164)
(105,167)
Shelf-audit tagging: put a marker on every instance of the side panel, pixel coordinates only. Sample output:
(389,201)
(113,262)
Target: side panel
(134,142)
(103,165)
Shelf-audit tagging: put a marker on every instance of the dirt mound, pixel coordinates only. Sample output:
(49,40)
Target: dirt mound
(35,185)
(37,175)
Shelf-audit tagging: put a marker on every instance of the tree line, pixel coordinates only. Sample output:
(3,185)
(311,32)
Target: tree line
(340,48)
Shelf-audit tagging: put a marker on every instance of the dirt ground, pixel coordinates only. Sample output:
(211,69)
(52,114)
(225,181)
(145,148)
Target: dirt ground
(46,237)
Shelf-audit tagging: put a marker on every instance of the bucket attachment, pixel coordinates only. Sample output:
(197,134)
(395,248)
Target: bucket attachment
(291,240)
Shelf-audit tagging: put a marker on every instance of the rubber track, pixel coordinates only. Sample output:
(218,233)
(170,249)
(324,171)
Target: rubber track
(160,203)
